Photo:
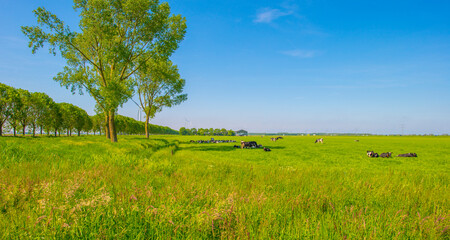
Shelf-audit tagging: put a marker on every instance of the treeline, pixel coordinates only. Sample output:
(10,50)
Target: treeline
(207,132)
(21,110)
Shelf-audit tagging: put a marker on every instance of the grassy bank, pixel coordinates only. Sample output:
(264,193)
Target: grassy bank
(167,187)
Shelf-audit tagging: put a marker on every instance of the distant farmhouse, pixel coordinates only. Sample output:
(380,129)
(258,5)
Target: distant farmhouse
(241,133)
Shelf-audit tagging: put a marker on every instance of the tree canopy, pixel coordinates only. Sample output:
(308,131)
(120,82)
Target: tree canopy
(117,38)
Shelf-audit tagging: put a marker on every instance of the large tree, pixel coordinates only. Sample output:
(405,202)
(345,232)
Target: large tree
(117,38)
(159,85)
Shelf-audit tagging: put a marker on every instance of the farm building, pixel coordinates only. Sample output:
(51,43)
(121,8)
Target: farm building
(241,133)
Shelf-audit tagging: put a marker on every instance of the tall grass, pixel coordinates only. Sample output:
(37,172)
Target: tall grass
(167,187)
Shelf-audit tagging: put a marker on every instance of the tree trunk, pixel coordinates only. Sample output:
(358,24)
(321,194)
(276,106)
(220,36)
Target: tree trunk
(34,130)
(56,132)
(112,127)
(23,133)
(79,133)
(107,126)
(41,130)
(147,118)
(14,131)
(1,129)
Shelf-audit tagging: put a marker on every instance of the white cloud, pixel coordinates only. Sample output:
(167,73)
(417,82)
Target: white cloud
(267,15)
(301,53)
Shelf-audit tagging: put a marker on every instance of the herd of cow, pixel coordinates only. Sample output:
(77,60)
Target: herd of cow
(253,144)
(373,154)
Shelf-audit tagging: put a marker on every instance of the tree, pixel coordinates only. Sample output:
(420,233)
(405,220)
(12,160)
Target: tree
(24,111)
(159,85)
(231,133)
(81,119)
(183,131)
(39,108)
(15,104)
(117,38)
(5,105)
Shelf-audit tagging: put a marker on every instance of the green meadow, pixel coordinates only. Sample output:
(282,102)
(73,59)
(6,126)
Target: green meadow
(168,188)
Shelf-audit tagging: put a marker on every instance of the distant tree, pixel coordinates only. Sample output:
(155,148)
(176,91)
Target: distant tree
(88,124)
(40,103)
(15,113)
(116,39)
(223,132)
(211,132)
(231,133)
(5,105)
(183,131)
(80,117)
(201,132)
(217,132)
(193,131)
(24,111)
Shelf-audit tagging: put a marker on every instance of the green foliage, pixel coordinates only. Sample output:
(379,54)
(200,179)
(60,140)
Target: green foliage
(166,187)
(117,39)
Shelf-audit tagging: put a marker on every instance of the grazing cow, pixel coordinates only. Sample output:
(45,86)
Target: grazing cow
(273,139)
(279,138)
(372,154)
(267,149)
(320,140)
(356,140)
(386,155)
(407,155)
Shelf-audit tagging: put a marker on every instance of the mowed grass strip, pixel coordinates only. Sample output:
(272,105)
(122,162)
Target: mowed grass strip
(167,187)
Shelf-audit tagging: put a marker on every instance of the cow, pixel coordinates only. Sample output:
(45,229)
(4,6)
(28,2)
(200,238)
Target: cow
(236,146)
(251,144)
(356,140)
(386,155)
(279,138)
(407,155)
(372,154)
(320,140)
(267,149)
(274,139)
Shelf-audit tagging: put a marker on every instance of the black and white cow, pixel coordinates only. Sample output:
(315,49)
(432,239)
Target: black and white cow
(320,140)
(386,155)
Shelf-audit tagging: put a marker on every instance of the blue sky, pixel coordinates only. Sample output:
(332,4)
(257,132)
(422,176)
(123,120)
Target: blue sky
(271,66)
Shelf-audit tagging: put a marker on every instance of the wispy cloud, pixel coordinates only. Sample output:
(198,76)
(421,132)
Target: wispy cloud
(299,53)
(268,15)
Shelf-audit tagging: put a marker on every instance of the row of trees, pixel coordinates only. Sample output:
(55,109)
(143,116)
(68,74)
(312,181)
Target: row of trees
(123,48)
(207,132)
(22,110)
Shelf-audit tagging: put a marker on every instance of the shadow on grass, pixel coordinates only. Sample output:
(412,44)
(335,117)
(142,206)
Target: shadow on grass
(224,148)
(210,148)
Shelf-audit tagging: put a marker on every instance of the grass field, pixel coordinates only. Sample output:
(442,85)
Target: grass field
(168,188)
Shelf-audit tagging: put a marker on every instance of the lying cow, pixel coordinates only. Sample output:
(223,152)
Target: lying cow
(236,146)
(386,155)
(267,149)
(372,154)
(320,140)
(407,155)
(252,144)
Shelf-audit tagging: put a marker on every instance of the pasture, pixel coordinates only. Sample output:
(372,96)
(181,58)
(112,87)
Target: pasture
(169,188)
